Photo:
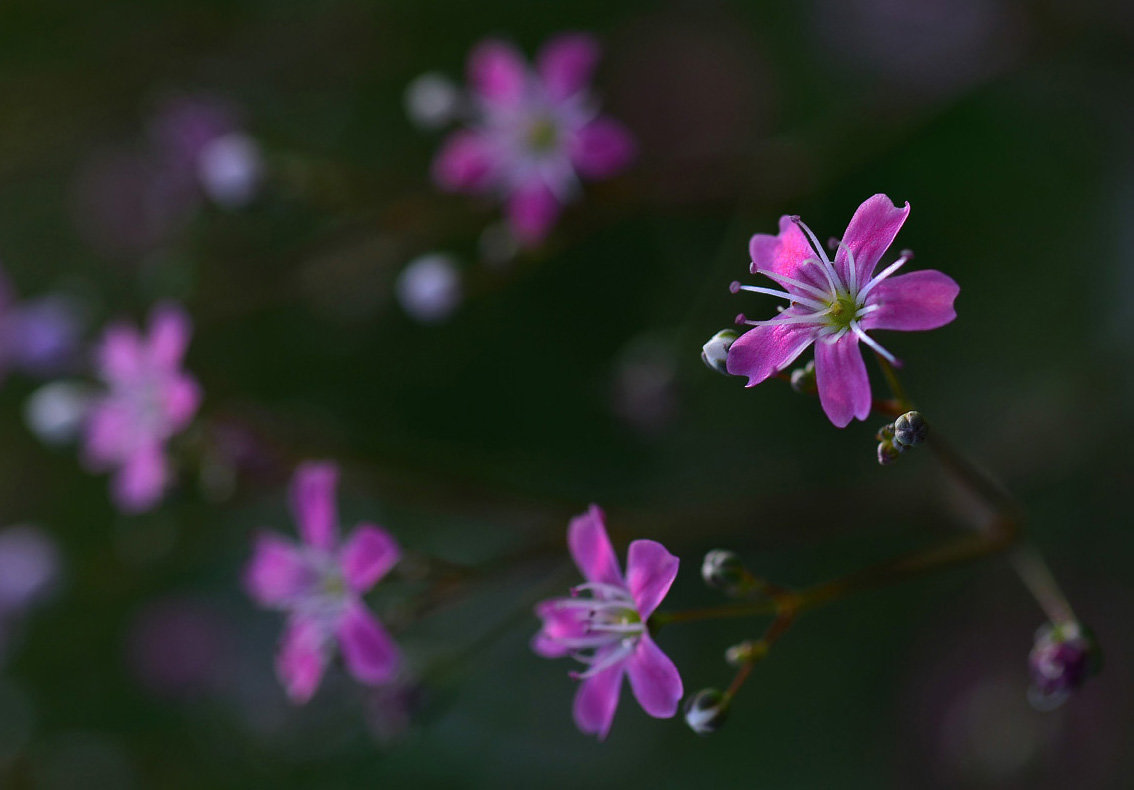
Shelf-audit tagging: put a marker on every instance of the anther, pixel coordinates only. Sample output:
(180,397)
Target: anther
(734,287)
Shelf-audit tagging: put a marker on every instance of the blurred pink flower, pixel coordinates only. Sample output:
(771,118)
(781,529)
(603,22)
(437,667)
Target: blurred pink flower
(37,336)
(833,303)
(607,631)
(149,398)
(534,132)
(320,585)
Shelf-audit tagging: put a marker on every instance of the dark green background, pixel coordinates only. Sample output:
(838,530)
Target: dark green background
(474,441)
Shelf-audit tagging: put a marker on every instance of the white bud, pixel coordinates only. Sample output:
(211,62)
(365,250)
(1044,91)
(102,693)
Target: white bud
(715,352)
(431,100)
(55,412)
(429,288)
(229,169)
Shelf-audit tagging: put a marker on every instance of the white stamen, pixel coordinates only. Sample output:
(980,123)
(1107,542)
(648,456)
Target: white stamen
(865,338)
(609,590)
(828,267)
(614,657)
(853,278)
(893,267)
(783,278)
(828,272)
(811,318)
(812,303)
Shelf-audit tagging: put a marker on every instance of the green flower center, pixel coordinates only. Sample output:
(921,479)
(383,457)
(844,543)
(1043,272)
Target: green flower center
(543,135)
(842,311)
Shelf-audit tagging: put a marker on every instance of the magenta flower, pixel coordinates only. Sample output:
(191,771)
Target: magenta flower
(149,399)
(533,132)
(607,630)
(833,304)
(320,585)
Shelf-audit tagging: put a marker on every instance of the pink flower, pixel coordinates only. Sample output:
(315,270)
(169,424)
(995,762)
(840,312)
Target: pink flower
(607,631)
(834,303)
(320,585)
(533,133)
(149,398)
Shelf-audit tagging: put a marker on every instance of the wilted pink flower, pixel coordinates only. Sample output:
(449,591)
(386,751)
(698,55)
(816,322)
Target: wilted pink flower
(149,398)
(834,303)
(607,631)
(534,132)
(320,585)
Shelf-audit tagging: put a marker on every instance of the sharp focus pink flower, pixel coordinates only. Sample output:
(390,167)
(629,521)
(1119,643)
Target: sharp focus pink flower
(149,399)
(320,585)
(833,304)
(534,132)
(607,630)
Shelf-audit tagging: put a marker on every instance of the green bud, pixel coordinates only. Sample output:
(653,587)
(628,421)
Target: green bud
(747,652)
(803,379)
(888,453)
(715,352)
(723,570)
(910,429)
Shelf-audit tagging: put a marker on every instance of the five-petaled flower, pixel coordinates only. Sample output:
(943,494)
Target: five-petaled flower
(607,629)
(320,585)
(149,399)
(833,304)
(533,133)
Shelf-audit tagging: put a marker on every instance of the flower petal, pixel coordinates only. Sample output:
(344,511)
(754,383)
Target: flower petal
(497,72)
(170,330)
(312,497)
(139,484)
(120,354)
(182,397)
(464,163)
(602,148)
(367,554)
(559,623)
(650,571)
(654,679)
(912,302)
(532,210)
(566,63)
(840,375)
(590,548)
(870,233)
(277,573)
(788,254)
(765,350)
(371,655)
(597,699)
(301,659)
(107,431)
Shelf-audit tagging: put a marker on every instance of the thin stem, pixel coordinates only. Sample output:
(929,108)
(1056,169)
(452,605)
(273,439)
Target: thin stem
(895,385)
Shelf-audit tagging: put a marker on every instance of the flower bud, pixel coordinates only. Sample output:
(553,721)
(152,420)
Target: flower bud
(723,570)
(715,352)
(910,429)
(706,711)
(747,652)
(1063,656)
(803,379)
(888,452)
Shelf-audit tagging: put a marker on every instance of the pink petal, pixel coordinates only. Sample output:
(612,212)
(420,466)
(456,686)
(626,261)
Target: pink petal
(590,548)
(182,399)
(170,330)
(464,163)
(371,655)
(313,503)
(497,72)
(301,659)
(650,570)
(912,302)
(120,355)
(108,430)
(602,148)
(566,63)
(368,553)
(870,233)
(654,679)
(765,350)
(597,699)
(531,212)
(786,253)
(840,375)
(277,573)
(141,481)
(559,623)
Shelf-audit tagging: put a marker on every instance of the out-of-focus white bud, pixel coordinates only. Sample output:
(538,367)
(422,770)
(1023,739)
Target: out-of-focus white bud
(230,168)
(432,100)
(429,288)
(55,412)
(706,711)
